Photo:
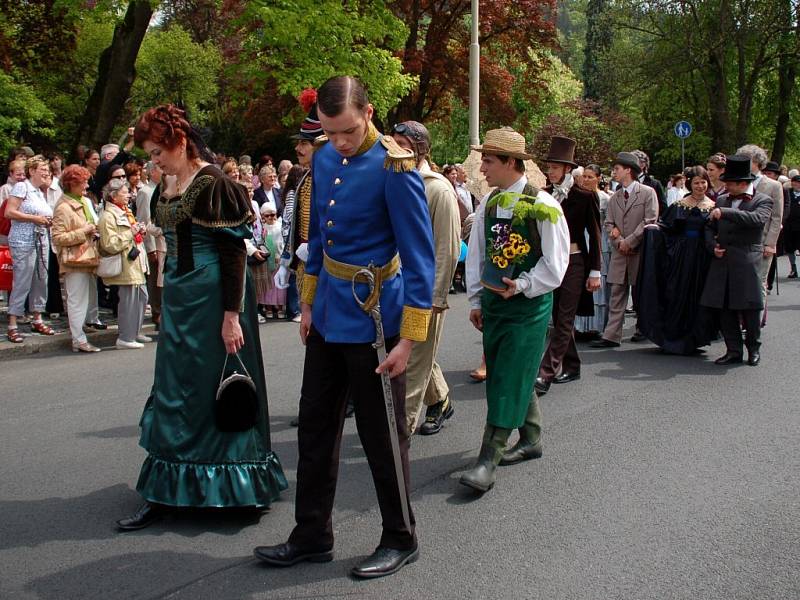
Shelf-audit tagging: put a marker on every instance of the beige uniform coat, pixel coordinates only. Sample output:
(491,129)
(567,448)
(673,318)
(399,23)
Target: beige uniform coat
(443,207)
(630,217)
(772,228)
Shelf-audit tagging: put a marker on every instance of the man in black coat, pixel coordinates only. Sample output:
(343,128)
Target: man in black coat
(646,179)
(733,285)
(561,362)
(111,157)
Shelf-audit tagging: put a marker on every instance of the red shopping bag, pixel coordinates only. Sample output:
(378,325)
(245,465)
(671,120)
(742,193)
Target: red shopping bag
(6,269)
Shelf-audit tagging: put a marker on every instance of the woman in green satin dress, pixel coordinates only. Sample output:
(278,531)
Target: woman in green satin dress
(208,312)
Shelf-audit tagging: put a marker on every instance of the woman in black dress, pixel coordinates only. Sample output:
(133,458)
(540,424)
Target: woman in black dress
(673,271)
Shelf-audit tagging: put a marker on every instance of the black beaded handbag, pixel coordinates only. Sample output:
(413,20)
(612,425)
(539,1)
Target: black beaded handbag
(236,405)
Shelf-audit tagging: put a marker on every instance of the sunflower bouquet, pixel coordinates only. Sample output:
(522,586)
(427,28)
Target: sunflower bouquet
(507,247)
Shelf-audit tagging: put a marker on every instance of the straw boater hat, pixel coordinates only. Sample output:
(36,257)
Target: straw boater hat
(504,142)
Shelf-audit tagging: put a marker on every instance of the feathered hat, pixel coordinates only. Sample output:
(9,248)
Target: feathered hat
(310,129)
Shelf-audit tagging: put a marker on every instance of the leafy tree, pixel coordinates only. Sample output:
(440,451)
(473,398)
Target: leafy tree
(301,43)
(171,67)
(21,112)
(437,52)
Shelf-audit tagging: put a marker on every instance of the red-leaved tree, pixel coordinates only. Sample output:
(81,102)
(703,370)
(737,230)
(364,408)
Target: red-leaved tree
(437,51)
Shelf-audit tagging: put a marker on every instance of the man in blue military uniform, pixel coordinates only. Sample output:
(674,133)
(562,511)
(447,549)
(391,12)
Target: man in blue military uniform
(368,210)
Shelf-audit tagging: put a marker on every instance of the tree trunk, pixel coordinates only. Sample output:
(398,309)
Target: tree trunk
(787,75)
(116,72)
(719,104)
(786,83)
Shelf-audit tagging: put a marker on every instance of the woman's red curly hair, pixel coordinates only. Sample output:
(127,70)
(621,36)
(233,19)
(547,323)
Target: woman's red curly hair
(167,126)
(73,176)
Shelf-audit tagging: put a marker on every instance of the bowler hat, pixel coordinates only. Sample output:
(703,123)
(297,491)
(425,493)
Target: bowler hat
(562,150)
(504,142)
(628,159)
(772,167)
(737,168)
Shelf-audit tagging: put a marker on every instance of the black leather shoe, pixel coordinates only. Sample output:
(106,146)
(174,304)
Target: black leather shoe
(287,554)
(147,514)
(295,422)
(99,326)
(541,386)
(638,337)
(729,359)
(603,343)
(349,410)
(435,417)
(384,561)
(566,377)
(753,358)
(522,450)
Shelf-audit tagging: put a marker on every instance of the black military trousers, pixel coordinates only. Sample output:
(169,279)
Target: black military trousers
(331,370)
(731,326)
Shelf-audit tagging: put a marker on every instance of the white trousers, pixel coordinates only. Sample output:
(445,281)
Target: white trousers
(81,291)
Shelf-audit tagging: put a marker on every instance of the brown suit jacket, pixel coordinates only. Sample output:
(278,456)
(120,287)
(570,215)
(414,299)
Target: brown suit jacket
(630,217)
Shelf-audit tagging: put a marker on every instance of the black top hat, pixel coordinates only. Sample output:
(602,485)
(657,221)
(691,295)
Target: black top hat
(628,159)
(737,168)
(772,167)
(562,150)
(310,129)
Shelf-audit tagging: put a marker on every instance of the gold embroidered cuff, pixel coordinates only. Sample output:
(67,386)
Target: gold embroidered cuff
(414,324)
(309,289)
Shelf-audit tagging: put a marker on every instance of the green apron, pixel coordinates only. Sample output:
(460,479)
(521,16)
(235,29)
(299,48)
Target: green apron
(514,333)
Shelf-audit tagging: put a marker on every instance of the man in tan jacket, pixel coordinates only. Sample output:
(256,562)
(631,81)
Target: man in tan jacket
(632,207)
(764,185)
(425,382)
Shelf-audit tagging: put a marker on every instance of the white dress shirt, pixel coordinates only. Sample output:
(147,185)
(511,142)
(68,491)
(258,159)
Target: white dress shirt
(549,270)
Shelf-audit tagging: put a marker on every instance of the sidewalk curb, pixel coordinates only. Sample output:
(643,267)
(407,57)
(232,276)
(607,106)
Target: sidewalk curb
(39,344)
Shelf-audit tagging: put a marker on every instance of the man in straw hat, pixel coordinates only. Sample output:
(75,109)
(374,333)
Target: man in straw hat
(561,362)
(632,207)
(425,382)
(733,284)
(518,254)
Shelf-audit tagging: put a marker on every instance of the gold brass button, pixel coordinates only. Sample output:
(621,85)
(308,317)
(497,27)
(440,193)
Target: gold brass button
(332,202)
(330,242)
(330,223)
(337,181)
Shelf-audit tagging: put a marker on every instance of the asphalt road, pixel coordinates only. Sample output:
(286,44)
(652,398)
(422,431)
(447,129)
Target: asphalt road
(663,477)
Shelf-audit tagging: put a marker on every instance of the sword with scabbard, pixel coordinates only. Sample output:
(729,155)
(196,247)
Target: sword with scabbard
(373,306)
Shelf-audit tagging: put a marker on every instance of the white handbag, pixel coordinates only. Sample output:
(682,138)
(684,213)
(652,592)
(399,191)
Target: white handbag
(110,266)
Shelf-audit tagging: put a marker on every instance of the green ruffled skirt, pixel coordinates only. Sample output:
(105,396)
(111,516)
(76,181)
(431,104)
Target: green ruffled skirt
(190,462)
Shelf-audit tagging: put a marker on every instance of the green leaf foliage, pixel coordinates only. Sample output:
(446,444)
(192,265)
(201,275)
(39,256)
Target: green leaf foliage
(301,43)
(171,67)
(21,110)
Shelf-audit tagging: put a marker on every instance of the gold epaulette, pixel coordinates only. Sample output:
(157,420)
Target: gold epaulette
(320,141)
(398,159)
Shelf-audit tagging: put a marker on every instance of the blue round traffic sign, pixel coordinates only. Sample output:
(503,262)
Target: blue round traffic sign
(683,129)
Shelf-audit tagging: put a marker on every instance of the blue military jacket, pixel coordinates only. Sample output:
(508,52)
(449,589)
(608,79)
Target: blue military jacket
(365,209)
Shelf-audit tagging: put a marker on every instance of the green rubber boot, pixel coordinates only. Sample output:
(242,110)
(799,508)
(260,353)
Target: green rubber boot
(481,476)
(529,445)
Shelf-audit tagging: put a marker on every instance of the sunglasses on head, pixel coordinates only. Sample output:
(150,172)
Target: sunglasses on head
(403,129)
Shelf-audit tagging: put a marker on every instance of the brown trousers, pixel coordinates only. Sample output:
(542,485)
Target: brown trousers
(330,370)
(562,353)
(616,312)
